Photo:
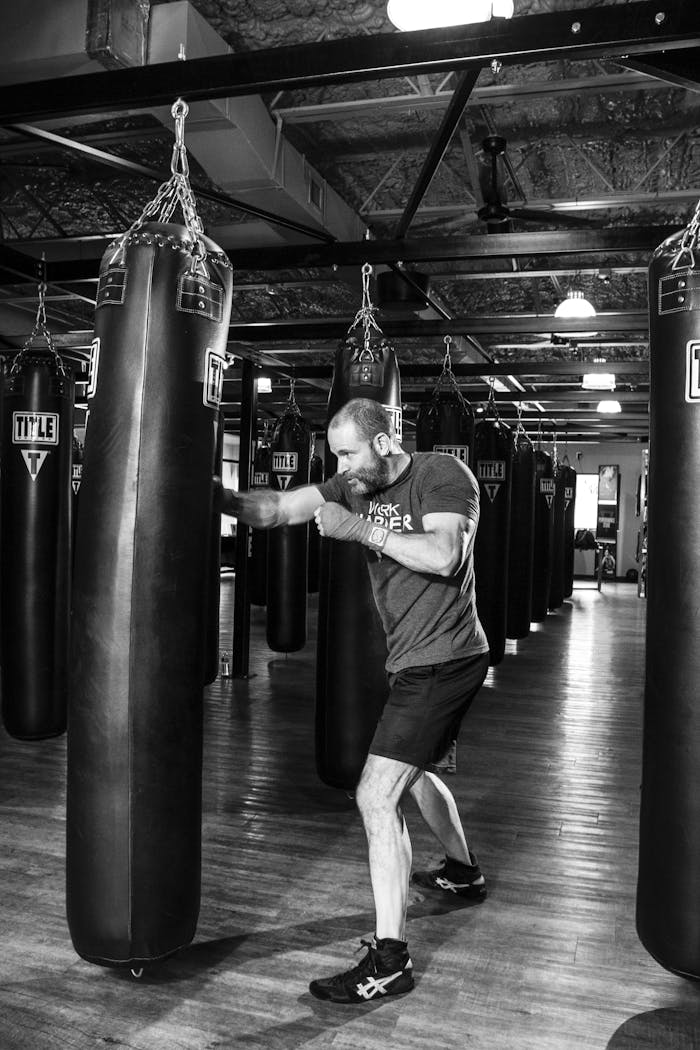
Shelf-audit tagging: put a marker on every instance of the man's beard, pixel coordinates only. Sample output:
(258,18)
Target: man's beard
(373,478)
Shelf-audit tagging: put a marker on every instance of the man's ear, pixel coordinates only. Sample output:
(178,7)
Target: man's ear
(382,444)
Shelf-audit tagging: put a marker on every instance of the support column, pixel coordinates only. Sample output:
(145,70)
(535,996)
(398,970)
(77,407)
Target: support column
(240,645)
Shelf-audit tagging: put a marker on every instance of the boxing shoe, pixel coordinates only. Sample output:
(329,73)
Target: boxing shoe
(453,876)
(385,970)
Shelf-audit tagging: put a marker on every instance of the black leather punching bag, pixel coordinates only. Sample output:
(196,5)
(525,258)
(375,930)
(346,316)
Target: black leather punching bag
(37,442)
(140,596)
(446,424)
(522,538)
(288,545)
(544,523)
(556,582)
(569,530)
(315,474)
(668,902)
(351,686)
(211,669)
(493,461)
(257,559)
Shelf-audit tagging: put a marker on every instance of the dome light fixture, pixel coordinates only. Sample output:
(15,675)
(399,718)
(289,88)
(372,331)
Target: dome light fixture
(575,305)
(407,15)
(609,407)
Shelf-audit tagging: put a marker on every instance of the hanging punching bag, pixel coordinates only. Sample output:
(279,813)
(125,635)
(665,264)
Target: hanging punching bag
(315,474)
(556,582)
(522,537)
(76,476)
(287,549)
(37,440)
(214,600)
(257,551)
(668,902)
(569,530)
(544,523)
(351,685)
(141,587)
(446,422)
(493,460)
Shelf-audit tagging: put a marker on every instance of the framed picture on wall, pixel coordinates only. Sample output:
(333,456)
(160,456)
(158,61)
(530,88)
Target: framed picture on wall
(608,483)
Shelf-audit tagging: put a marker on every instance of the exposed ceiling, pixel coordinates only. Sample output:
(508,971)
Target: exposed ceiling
(500,165)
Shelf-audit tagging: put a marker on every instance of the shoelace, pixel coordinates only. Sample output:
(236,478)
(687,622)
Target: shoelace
(366,965)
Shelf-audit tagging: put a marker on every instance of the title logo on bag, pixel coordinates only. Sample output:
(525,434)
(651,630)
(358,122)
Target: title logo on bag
(94,363)
(460,452)
(34,428)
(261,479)
(77,476)
(213,379)
(34,459)
(692,371)
(284,465)
(396,414)
(547,490)
(491,473)
(568,496)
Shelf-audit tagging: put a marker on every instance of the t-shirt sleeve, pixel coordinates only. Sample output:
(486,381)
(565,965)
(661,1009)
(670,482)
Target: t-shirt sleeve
(449,487)
(334,490)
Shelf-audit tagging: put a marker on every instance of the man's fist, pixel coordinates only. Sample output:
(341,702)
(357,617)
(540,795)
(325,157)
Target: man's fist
(337,523)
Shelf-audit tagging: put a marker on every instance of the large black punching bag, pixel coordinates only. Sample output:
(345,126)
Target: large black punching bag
(544,522)
(315,475)
(493,460)
(569,530)
(522,537)
(211,669)
(556,582)
(446,422)
(668,902)
(287,549)
(37,442)
(351,685)
(140,595)
(258,538)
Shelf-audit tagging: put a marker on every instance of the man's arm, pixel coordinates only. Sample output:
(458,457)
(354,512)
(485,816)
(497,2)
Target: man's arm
(441,549)
(266,508)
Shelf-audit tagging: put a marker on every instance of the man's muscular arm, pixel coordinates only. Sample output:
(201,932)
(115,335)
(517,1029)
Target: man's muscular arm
(265,508)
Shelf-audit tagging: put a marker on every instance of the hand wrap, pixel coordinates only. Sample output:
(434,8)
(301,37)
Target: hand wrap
(338,523)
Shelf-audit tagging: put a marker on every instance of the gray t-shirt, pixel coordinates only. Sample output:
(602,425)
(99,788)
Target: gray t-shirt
(428,619)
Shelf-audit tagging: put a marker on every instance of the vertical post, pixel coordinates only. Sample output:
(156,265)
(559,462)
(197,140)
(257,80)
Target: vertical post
(240,645)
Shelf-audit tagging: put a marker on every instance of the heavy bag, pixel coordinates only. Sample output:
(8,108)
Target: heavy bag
(569,530)
(140,596)
(544,524)
(35,565)
(288,545)
(493,462)
(522,538)
(446,424)
(214,581)
(257,549)
(315,475)
(556,582)
(351,684)
(668,903)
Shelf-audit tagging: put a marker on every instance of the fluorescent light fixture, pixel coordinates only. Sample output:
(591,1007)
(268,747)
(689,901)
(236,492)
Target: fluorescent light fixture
(575,305)
(430,14)
(609,407)
(264,384)
(598,381)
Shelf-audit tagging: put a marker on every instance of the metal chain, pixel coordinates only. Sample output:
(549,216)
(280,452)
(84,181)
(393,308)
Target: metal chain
(292,408)
(365,316)
(176,190)
(40,329)
(491,402)
(447,376)
(689,241)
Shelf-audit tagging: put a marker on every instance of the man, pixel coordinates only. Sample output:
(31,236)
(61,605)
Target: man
(417,516)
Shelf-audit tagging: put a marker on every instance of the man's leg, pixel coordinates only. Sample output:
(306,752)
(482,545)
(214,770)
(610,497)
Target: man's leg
(378,796)
(439,810)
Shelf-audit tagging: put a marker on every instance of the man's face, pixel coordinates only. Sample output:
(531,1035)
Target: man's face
(358,461)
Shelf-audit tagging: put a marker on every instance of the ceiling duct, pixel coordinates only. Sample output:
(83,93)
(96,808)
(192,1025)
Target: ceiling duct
(401,296)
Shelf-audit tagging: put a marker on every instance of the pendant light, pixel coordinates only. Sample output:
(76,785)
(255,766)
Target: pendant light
(431,14)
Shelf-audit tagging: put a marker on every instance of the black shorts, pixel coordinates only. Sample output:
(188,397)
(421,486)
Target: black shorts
(425,707)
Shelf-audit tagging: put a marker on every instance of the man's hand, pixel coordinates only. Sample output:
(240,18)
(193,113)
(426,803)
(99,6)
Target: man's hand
(337,523)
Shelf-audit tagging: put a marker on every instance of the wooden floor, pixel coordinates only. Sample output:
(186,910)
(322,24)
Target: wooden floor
(548,781)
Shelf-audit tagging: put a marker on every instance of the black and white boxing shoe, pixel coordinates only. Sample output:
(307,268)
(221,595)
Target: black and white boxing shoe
(385,970)
(453,876)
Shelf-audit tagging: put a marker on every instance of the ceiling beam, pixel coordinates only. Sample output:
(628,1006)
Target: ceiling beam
(680,69)
(465,370)
(635,28)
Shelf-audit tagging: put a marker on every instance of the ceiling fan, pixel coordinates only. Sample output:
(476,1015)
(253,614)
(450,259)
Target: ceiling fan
(495,211)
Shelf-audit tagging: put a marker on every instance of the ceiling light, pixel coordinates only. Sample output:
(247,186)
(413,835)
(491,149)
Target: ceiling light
(609,407)
(264,384)
(430,14)
(598,381)
(575,305)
